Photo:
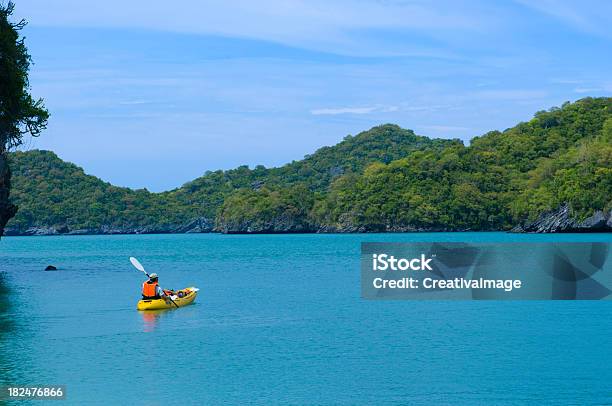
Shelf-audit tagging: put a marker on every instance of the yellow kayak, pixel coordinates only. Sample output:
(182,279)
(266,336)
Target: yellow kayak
(188,296)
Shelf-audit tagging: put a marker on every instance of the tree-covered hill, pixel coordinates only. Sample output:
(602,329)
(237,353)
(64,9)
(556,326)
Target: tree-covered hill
(384,143)
(52,194)
(383,179)
(56,196)
(561,156)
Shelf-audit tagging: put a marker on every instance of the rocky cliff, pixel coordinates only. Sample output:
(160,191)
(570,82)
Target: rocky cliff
(7,210)
(561,221)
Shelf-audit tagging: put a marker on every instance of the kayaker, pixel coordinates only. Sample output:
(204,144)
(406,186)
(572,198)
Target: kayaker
(151,288)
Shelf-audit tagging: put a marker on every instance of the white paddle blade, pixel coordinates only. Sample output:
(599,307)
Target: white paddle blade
(137,264)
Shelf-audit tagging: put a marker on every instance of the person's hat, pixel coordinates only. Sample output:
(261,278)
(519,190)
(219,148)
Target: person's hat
(153,276)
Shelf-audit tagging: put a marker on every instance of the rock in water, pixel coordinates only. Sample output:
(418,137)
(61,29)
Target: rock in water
(50,268)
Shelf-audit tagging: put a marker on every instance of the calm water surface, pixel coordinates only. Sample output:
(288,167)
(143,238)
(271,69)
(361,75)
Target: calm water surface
(279,319)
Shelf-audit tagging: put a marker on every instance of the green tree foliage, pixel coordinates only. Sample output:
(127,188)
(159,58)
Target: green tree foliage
(19,113)
(384,143)
(54,193)
(581,176)
(381,144)
(560,156)
(265,210)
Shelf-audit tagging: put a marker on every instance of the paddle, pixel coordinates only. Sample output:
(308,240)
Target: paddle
(139,266)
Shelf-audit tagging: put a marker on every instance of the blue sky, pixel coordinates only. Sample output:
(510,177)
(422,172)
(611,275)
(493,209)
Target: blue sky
(152,94)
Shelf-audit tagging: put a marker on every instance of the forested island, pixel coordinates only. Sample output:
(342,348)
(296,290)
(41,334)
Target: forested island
(550,174)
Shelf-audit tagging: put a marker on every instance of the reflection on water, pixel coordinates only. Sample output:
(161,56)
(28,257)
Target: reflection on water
(151,318)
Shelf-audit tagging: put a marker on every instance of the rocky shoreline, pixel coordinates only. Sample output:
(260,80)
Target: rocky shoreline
(561,221)
(197,225)
(556,221)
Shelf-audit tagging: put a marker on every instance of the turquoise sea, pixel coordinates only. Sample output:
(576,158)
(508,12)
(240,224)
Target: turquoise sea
(279,320)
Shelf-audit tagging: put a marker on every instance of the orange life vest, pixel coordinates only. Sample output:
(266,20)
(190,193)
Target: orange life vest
(149,289)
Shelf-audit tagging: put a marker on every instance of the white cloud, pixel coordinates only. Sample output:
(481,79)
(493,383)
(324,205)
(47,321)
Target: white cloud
(587,89)
(567,81)
(448,128)
(591,16)
(427,108)
(133,102)
(331,26)
(354,110)
(510,94)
